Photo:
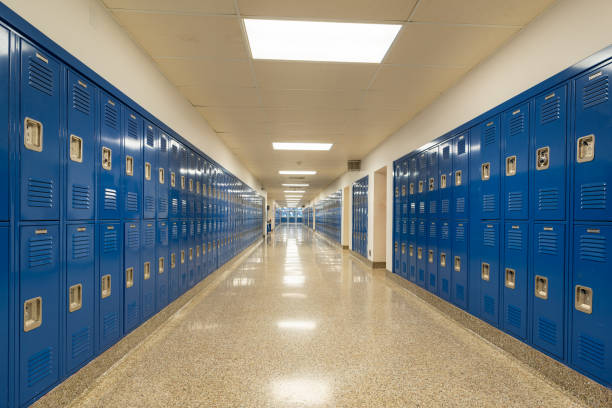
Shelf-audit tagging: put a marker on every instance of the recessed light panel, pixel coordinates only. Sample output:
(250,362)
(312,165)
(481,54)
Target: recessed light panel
(296,185)
(301,146)
(297,172)
(319,41)
(295,191)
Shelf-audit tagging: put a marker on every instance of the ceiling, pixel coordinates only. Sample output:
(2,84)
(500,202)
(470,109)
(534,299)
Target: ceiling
(201,47)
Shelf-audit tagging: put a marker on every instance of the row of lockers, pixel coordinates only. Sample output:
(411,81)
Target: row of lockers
(508,218)
(328,213)
(360,216)
(308,217)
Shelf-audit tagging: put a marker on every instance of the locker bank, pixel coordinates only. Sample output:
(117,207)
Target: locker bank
(327,203)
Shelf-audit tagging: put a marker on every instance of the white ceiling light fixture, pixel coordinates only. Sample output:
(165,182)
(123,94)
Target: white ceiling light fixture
(296,185)
(297,172)
(301,146)
(295,191)
(319,40)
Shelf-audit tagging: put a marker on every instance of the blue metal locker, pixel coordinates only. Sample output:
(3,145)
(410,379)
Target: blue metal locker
(198,188)
(592,303)
(110,281)
(593,129)
(432,256)
(163,176)
(397,213)
(515,127)
(174,263)
(40,127)
(421,252)
(132,165)
(148,261)
(445,178)
(516,278)
(39,309)
(460,179)
(486,141)
(488,255)
(191,184)
(132,277)
(411,249)
(548,285)
(412,185)
(80,149)
(432,182)
(80,296)
(403,217)
(163,265)
(4,142)
(549,144)
(421,187)
(149,178)
(444,259)
(199,268)
(459,279)
(109,172)
(174,165)
(191,256)
(5,248)
(183,190)
(184,250)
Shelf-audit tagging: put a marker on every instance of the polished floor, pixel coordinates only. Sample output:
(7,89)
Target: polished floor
(302,323)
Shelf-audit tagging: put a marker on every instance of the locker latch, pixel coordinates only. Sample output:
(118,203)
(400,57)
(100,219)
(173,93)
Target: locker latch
(172,179)
(420,253)
(33,135)
(443,181)
(584,299)
(421,186)
(411,250)
(542,158)
(172,260)
(485,271)
(147,271)
(411,188)
(432,183)
(403,191)
(107,158)
(403,249)
(75,297)
(198,188)
(182,256)
(190,184)
(541,287)
(182,182)
(396,192)
(161,176)
(106,286)
(457,264)
(430,256)
(442,259)
(586,149)
(147,171)
(197,251)
(191,254)
(510,278)
(76,149)
(129,165)
(32,314)
(129,277)
(485,171)
(511,166)
(396,246)
(458,178)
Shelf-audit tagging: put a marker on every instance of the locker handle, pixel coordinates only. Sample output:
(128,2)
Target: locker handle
(147,271)
(403,249)
(586,149)
(129,277)
(432,184)
(107,158)
(190,184)
(420,253)
(182,256)
(541,287)
(458,178)
(510,166)
(457,264)
(443,181)
(421,186)
(32,314)
(485,171)
(442,259)
(191,254)
(106,286)
(197,251)
(172,179)
(129,165)
(172,260)
(76,149)
(584,299)
(411,250)
(430,256)
(75,296)
(485,271)
(33,135)
(510,281)
(182,182)
(543,158)
(147,171)
(161,176)
(411,188)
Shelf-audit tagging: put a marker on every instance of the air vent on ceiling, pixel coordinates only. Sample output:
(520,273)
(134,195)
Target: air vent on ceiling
(353,165)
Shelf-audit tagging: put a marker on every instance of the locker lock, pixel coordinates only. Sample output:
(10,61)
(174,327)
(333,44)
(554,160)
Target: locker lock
(586,149)
(442,259)
(76,149)
(106,286)
(32,314)
(161,176)
(458,178)
(172,179)
(403,249)
(403,191)
(510,278)
(75,297)
(485,171)
(396,192)
(147,171)
(411,188)
(129,277)
(430,256)
(443,181)
(147,271)
(182,256)
(584,299)
(541,287)
(411,250)
(33,135)
(542,158)
(172,260)
(420,253)
(485,271)
(511,166)
(457,264)
(129,165)
(421,186)
(107,158)
(432,184)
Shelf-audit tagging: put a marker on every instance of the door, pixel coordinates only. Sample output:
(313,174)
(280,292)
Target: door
(421,250)
(110,196)
(444,260)
(460,177)
(132,165)
(515,129)
(432,257)
(132,277)
(110,284)
(148,261)
(516,278)
(489,272)
(163,176)
(459,271)
(149,178)
(163,265)
(445,178)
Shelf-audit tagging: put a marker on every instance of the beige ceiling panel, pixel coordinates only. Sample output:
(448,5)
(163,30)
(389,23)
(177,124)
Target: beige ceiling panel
(187,71)
(320,116)
(329,9)
(220,96)
(379,116)
(310,99)
(416,79)
(313,75)
(449,45)
(499,12)
(173,35)
(227,115)
(184,6)
(396,100)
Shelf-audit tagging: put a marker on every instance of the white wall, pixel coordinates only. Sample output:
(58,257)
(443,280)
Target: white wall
(86,29)
(567,32)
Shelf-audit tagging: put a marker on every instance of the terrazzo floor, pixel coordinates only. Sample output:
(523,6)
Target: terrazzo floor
(302,323)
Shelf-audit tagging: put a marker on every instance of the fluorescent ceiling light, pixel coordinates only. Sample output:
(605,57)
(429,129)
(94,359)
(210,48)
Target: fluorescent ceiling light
(295,191)
(319,40)
(301,146)
(297,172)
(296,185)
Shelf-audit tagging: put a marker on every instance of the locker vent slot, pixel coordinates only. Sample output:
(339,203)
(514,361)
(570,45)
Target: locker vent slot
(81,99)
(163,204)
(80,246)
(132,128)
(489,136)
(445,285)
(595,93)
(40,365)
(110,117)
(132,202)
(591,351)
(133,239)
(460,289)
(515,201)
(514,316)
(174,231)
(460,205)
(132,313)
(517,124)
(432,207)
(148,303)
(551,110)
(445,206)
(461,146)
(422,207)
(460,233)
(593,248)
(110,241)
(412,228)
(149,238)
(488,237)
(150,141)
(40,193)
(163,145)
(593,196)
(489,305)
(80,342)
(547,243)
(547,331)
(110,199)
(110,327)
(40,251)
(175,206)
(40,77)
(446,152)
(149,203)
(488,202)
(444,231)
(548,199)
(514,239)
(81,197)
(422,229)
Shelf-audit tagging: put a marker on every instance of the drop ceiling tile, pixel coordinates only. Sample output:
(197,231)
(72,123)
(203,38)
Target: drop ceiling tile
(329,10)
(220,96)
(494,12)
(448,45)
(223,116)
(185,6)
(173,35)
(396,100)
(320,99)
(188,71)
(416,79)
(297,116)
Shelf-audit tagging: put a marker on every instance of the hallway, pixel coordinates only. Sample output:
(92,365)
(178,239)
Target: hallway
(301,323)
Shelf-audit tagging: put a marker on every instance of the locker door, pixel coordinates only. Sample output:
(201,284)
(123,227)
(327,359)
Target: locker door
(174,164)
(592,303)
(593,141)
(191,256)
(432,181)
(459,281)
(443,260)
(412,186)
(411,250)
(132,277)
(80,149)
(191,184)
(421,252)
(109,171)
(4,142)
(184,181)
(163,265)
(489,271)
(550,140)
(132,165)
(162,176)
(515,278)
(432,257)
(515,166)
(421,187)
(39,309)
(488,166)
(80,275)
(5,247)
(548,288)
(460,177)
(149,178)
(198,189)
(148,261)
(174,261)
(184,250)
(397,215)
(199,269)
(445,178)
(404,203)
(40,127)
(110,280)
